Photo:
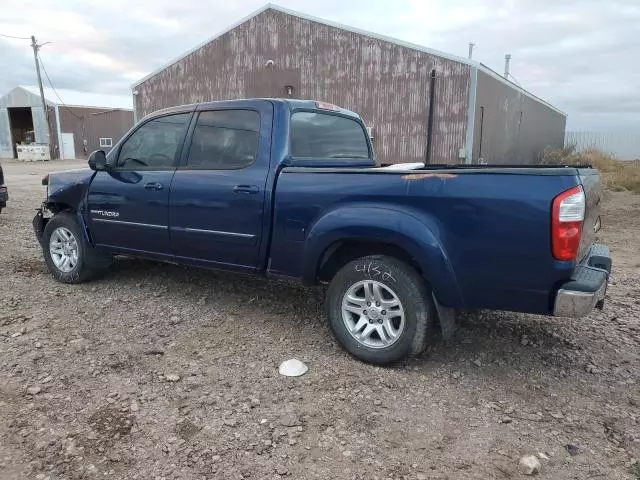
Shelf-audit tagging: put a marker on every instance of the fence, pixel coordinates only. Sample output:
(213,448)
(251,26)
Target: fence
(623,145)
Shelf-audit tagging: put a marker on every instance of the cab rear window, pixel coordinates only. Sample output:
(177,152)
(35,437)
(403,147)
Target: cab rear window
(326,136)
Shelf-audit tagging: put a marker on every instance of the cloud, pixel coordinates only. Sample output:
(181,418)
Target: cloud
(577,54)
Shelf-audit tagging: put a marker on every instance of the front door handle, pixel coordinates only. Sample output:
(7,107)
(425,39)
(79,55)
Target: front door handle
(154,186)
(246,189)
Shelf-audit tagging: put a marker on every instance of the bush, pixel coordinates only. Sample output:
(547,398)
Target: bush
(616,175)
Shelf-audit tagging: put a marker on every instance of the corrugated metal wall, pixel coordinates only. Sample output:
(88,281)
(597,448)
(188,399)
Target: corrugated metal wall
(510,126)
(6,149)
(40,130)
(623,145)
(39,124)
(92,124)
(21,98)
(89,123)
(386,83)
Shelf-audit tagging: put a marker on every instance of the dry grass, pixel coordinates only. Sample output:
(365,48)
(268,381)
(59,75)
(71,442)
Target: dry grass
(616,175)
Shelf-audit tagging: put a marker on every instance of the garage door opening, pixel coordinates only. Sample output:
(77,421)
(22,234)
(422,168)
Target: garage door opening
(21,123)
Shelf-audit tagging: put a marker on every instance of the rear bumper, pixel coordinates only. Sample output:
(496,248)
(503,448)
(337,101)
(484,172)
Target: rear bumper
(587,287)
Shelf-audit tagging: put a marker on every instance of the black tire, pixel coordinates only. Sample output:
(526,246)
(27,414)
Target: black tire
(91,262)
(409,288)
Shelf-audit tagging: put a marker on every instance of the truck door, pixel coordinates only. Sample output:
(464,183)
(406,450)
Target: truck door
(218,192)
(129,204)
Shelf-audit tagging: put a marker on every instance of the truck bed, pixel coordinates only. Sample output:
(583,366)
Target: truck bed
(493,222)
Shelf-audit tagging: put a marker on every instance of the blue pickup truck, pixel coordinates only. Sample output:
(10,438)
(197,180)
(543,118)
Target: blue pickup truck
(291,188)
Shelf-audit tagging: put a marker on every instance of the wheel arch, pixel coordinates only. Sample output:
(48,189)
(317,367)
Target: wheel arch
(57,207)
(343,251)
(349,233)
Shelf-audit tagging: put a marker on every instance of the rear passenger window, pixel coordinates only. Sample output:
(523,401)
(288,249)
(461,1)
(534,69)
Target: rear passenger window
(224,140)
(321,135)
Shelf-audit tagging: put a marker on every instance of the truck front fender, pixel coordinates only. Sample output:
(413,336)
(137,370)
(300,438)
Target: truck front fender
(69,187)
(410,231)
(67,191)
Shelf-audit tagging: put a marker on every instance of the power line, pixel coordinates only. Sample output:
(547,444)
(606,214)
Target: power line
(12,36)
(54,89)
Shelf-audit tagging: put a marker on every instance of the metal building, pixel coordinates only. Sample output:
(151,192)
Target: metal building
(421,104)
(83,123)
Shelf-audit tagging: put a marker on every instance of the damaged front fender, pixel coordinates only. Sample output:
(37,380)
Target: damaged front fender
(39,223)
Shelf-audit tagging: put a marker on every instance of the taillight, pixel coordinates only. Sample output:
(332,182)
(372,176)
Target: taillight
(566,223)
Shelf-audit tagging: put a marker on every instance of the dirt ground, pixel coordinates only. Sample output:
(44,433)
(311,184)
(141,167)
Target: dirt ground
(162,372)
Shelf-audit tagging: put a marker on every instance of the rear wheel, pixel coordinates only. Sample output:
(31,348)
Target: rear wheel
(379,309)
(68,255)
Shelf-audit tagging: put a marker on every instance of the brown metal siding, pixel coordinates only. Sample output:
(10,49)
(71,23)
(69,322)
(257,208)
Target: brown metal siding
(92,124)
(386,83)
(516,127)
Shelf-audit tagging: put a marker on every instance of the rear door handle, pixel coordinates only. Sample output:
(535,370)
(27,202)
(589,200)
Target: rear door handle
(154,186)
(245,189)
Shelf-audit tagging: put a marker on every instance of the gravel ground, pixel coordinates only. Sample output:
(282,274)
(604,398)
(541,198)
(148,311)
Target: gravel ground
(162,372)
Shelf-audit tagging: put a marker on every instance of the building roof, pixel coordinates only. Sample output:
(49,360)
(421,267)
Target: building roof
(412,46)
(75,98)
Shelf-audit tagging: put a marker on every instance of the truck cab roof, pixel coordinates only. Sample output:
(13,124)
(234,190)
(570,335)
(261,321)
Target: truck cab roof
(288,103)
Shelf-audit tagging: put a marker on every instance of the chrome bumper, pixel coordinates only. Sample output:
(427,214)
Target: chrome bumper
(570,303)
(588,285)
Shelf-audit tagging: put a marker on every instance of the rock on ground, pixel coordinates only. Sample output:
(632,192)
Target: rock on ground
(529,465)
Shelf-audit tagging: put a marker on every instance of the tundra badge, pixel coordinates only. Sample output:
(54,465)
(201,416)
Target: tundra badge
(105,213)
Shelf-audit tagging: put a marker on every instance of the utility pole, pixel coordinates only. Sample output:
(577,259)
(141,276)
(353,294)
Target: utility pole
(36,47)
(471,45)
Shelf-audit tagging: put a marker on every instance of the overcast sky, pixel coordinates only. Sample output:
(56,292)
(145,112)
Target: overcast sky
(580,55)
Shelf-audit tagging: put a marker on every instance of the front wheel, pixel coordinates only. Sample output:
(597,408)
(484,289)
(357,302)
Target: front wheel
(379,309)
(69,257)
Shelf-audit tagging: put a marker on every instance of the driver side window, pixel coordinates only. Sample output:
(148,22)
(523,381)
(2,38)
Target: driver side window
(154,145)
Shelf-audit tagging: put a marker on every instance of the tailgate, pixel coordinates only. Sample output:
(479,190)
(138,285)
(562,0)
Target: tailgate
(592,185)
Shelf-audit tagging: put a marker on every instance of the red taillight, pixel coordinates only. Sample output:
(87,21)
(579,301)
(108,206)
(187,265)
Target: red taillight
(566,223)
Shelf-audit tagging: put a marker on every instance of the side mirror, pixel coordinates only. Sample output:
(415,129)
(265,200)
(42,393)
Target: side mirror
(98,160)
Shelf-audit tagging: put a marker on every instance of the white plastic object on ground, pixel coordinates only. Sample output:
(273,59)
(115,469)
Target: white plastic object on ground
(292,368)
(529,465)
